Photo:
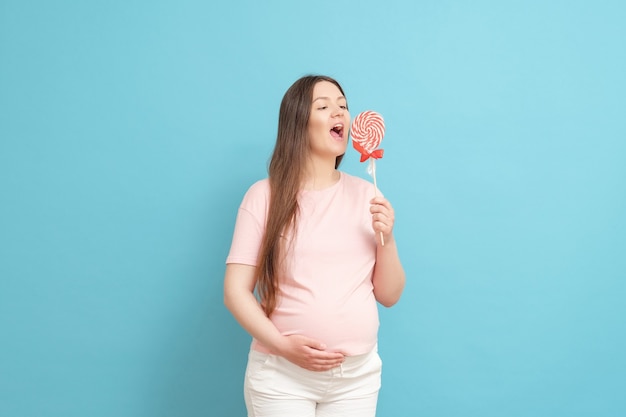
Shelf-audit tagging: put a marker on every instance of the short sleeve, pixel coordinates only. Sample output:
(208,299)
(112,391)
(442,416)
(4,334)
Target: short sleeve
(250,226)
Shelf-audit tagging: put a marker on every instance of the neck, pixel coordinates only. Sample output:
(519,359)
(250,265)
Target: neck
(320,174)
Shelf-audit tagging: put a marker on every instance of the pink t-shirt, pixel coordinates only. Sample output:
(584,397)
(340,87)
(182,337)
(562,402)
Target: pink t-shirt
(326,290)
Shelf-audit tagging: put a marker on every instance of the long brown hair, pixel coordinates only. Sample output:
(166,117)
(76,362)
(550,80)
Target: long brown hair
(286,171)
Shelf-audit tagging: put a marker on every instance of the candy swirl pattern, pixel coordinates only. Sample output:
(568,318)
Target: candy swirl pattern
(368,129)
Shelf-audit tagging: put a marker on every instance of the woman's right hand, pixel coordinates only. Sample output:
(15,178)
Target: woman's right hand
(309,353)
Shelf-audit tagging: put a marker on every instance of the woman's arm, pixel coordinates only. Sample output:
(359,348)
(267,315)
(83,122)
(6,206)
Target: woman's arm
(239,282)
(389,277)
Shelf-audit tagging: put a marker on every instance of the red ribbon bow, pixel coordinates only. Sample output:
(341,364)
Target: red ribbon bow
(365,155)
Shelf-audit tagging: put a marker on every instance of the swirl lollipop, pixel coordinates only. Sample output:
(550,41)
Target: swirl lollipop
(368,129)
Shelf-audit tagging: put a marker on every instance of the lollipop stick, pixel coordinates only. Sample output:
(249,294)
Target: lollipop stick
(373,166)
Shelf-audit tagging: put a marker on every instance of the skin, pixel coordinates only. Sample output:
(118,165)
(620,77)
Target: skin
(328,109)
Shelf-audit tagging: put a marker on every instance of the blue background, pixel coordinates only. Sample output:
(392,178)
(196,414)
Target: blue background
(129,131)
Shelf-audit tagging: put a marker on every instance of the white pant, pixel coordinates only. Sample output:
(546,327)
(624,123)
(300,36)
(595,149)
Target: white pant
(275,387)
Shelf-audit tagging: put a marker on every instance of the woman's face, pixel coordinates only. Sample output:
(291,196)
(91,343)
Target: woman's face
(329,121)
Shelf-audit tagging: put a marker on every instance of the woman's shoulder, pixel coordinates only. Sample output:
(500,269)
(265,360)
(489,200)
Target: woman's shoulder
(257,195)
(358,187)
(356,182)
(260,187)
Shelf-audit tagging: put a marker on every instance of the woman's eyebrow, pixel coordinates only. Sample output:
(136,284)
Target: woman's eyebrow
(328,98)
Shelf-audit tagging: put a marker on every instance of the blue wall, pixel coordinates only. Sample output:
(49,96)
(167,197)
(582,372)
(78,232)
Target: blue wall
(129,131)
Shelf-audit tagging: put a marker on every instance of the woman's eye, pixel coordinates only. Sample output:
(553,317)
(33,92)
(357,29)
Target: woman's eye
(322,108)
(344,107)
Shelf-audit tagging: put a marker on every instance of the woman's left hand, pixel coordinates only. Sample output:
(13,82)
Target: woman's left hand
(382,217)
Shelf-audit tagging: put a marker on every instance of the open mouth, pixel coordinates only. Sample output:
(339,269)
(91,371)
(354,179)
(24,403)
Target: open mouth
(337,131)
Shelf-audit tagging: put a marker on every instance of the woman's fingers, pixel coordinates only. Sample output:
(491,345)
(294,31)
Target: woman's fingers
(311,354)
(382,215)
